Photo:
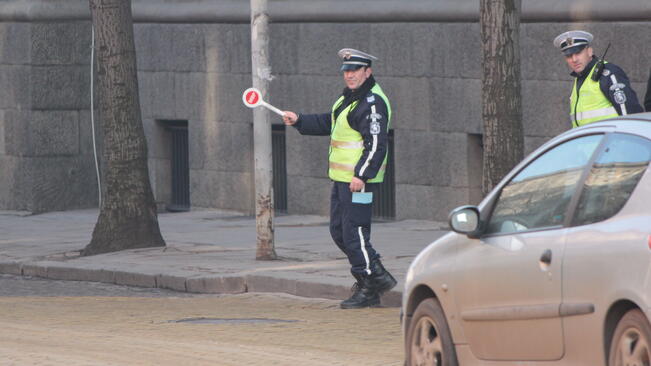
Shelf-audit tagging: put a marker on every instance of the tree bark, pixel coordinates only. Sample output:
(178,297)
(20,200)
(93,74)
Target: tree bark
(261,72)
(127,217)
(501,90)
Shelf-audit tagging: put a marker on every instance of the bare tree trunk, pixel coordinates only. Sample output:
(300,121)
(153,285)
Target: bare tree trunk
(501,92)
(127,217)
(261,72)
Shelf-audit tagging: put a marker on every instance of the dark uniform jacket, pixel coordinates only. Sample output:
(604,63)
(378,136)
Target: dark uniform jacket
(360,120)
(614,84)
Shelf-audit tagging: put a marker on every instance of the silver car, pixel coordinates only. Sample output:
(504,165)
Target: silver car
(552,268)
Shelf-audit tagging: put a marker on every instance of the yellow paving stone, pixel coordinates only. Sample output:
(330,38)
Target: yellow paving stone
(145,331)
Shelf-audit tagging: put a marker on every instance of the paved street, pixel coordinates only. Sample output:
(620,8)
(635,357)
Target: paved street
(283,312)
(208,251)
(49,322)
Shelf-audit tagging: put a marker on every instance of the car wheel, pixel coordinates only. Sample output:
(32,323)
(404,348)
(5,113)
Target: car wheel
(428,339)
(631,344)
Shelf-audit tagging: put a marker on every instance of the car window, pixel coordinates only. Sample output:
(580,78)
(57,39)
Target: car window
(538,196)
(613,177)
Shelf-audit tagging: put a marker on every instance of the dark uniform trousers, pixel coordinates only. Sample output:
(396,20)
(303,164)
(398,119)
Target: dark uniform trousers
(350,226)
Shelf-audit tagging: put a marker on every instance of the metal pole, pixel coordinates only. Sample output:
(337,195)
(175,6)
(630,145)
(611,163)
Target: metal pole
(261,72)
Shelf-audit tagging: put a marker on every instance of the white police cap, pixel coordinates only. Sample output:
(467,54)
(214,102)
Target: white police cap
(354,59)
(573,41)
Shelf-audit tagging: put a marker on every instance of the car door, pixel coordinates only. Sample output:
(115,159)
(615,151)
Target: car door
(607,252)
(509,281)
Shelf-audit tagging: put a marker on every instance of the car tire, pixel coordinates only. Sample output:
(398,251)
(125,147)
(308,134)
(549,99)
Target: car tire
(631,343)
(428,339)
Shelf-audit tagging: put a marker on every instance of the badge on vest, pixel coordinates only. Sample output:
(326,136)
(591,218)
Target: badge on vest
(370,99)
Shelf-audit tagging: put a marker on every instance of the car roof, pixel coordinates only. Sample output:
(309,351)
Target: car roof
(639,124)
(634,123)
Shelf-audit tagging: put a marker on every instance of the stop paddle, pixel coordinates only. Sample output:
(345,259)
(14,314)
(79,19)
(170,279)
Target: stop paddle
(252,98)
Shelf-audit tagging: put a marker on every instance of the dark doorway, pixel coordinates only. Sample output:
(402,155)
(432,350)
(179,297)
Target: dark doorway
(180,165)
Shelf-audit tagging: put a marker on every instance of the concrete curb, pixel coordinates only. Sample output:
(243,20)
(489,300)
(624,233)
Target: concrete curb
(196,284)
(175,283)
(216,285)
(13,268)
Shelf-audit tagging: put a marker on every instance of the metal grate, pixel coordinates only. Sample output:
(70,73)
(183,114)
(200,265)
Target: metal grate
(232,320)
(278,149)
(385,206)
(180,166)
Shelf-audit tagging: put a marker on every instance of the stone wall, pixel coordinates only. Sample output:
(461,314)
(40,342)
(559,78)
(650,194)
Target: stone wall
(197,72)
(431,73)
(46,151)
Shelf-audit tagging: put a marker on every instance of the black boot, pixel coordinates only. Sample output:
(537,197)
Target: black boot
(363,296)
(381,280)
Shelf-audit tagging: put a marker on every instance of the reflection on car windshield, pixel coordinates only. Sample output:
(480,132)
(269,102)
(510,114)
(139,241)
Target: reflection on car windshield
(569,156)
(538,196)
(612,178)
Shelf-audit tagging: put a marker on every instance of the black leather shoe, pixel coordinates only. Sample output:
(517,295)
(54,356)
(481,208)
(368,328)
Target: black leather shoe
(381,280)
(363,295)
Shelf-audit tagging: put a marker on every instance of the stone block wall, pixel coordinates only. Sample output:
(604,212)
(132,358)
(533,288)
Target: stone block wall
(45,150)
(196,72)
(432,75)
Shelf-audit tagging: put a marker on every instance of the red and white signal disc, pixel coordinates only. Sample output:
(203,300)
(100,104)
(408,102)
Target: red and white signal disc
(251,97)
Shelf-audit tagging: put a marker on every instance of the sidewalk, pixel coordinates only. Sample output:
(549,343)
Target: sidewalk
(208,251)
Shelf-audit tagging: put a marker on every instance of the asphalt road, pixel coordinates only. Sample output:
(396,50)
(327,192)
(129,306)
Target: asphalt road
(45,322)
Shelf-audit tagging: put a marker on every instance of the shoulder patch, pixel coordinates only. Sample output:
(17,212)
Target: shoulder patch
(375,116)
(370,99)
(617,86)
(375,128)
(620,97)
(606,72)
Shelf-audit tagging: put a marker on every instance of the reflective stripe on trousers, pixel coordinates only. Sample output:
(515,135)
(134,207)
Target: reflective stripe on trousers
(350,226)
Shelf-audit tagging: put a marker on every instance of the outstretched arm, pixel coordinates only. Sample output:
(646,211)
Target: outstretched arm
(309,124)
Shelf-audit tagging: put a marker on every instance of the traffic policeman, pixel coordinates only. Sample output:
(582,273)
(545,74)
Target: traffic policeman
(601,89)
(358,126)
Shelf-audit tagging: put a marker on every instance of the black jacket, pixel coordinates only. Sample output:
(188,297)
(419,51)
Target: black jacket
(614,84)
(360,119)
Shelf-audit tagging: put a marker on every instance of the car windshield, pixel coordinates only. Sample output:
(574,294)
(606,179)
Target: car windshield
(538,196)
(613,177)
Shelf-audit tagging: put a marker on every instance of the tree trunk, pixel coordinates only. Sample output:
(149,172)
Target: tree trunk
(501,92)
(127,217)
(261,72)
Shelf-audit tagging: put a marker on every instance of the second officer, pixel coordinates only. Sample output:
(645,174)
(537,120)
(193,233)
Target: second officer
(601,90)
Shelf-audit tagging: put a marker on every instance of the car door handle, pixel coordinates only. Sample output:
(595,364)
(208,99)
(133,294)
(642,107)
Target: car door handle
(546,257)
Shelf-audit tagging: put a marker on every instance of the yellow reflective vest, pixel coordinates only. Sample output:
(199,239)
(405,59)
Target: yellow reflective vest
(589,104)
(347,144)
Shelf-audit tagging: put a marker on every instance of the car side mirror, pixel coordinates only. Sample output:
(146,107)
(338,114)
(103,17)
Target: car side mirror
(465,220)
